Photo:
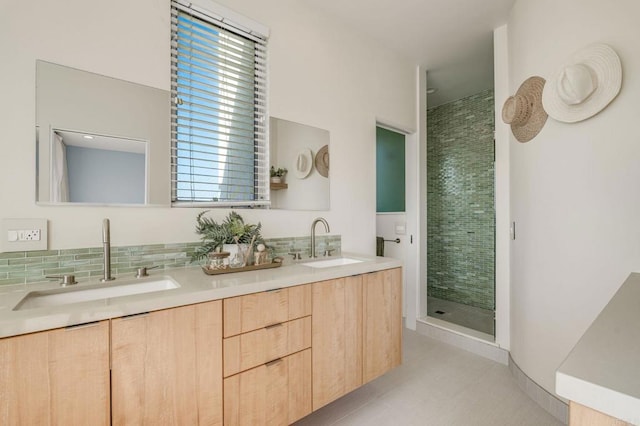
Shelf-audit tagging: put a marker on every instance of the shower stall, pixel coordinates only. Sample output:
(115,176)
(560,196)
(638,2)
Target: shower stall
(461,213)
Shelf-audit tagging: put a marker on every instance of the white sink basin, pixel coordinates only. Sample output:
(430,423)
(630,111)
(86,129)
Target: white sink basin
(338,261)
(65,296)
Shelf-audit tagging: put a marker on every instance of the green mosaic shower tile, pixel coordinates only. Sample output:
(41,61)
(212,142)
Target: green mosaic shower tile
(460,201)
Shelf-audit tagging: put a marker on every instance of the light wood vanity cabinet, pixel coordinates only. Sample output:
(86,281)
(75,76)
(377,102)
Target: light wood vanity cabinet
(267,357)
(357,332)
(382,322)
(337,338)
(579,415)
(244,360)
(167,367)
(56,377)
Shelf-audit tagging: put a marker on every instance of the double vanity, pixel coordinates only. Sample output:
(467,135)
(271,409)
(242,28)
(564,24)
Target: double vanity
(181,347)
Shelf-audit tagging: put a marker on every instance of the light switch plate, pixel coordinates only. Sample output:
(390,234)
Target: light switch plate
(24,234)
(401,228)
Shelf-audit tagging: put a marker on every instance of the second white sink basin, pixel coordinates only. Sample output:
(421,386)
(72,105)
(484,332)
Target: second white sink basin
(338,261)
(65,296)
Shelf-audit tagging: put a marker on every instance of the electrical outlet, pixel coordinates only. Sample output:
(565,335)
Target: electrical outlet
(29,235)
(23,234)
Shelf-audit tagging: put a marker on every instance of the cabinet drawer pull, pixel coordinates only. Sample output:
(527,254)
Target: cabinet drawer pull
(132,316)
(84,325)
(272,290)
(273,325)
(270,363)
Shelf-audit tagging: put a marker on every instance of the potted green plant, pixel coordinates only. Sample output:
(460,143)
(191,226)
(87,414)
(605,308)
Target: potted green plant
(232,233)
(277,175)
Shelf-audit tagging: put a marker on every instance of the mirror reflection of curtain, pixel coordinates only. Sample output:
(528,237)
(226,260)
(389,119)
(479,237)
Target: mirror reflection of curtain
(59,174)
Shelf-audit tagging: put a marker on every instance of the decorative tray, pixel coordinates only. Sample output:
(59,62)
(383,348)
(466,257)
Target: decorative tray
(275,264)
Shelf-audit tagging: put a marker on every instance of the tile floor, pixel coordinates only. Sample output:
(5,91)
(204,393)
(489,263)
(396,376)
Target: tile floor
(437,385)
(467,316)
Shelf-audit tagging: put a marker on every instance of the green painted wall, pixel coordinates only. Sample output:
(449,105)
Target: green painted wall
(460,201)
(390,176)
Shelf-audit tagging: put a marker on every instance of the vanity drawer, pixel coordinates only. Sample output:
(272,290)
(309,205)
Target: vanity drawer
(255,311)
(275,393)
(249,350)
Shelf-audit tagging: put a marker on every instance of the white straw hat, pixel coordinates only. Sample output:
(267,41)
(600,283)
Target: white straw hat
(524,111)
(303,163)
(584,85)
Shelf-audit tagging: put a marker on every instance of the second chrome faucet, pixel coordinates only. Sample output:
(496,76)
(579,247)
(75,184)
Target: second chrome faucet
(106,248)
(313,233)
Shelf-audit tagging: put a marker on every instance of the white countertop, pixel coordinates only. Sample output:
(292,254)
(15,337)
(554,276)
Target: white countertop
(603,369)
(195,287)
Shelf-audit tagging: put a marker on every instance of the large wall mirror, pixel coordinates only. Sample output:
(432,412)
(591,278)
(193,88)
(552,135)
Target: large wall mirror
(304,151)
(100,140)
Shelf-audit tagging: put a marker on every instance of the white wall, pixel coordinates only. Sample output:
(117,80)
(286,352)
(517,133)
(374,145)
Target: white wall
(574,188)
(501,177)
(321,74)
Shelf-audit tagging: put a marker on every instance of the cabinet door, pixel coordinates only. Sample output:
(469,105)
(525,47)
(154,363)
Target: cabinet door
(275,393)
(581,415)
(167,367)
(336,338)
(382,300)
(56,377)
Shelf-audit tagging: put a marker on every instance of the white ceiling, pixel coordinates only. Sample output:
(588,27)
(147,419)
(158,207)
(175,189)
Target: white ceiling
(451,39)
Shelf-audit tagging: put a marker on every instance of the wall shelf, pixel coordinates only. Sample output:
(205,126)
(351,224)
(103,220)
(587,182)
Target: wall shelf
(278,186)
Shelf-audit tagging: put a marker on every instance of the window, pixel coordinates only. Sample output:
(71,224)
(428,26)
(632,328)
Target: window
(219,135)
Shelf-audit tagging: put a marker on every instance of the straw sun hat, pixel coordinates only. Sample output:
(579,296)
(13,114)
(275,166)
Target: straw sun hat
(322,161)
(584,85)
(524,111)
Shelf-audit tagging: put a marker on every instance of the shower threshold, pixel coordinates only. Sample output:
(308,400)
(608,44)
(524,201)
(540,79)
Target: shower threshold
(478,319)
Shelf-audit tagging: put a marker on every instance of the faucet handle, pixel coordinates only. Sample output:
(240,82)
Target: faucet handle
(328,251)
(296,255)
(67,279)
(142,272)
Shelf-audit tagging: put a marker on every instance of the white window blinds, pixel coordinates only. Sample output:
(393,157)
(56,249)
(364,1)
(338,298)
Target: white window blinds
(219,127)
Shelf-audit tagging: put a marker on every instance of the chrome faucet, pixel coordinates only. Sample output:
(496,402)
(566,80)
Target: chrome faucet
(313,233)
(106,247)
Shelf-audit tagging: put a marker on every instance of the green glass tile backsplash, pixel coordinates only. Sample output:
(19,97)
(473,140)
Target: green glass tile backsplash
(33,266)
